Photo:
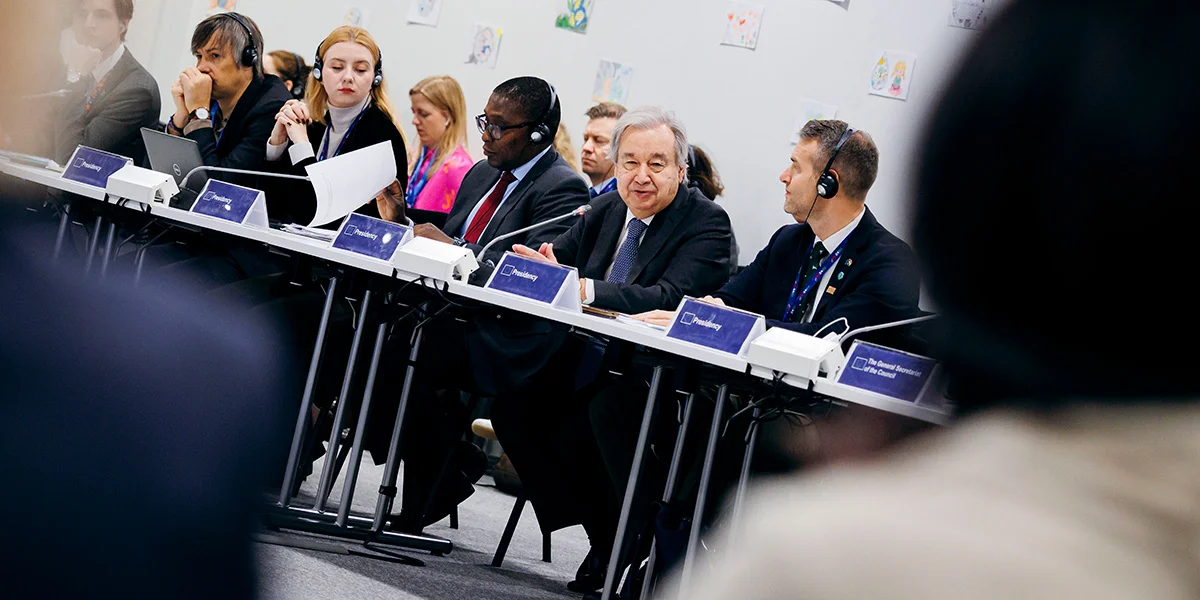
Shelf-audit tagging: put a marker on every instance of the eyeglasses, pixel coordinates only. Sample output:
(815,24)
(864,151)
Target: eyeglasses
(497,131)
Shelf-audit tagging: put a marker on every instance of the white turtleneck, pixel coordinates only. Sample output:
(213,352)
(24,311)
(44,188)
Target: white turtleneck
(340,120)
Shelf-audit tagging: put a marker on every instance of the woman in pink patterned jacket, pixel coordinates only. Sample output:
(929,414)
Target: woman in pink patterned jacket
(440,116)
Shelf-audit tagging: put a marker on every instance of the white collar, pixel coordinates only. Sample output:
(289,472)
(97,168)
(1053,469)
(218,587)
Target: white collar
(629,217)
(523,170)
(341,118)
(106,65)
(836,239)
(604,184)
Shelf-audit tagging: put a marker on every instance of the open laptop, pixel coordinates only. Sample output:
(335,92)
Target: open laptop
(176,156)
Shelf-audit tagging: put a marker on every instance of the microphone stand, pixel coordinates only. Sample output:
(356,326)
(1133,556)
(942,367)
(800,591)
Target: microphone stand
(579,212)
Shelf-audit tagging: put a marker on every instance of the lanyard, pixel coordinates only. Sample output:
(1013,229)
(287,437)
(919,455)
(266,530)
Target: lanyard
(610,186)
(420,177)
(349,130)
(91,99)
(213,111)
(798,292)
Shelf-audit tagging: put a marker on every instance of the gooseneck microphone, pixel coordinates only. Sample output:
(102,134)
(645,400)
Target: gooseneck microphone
(579,212)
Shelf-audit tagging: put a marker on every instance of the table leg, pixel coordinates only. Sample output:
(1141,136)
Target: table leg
(387,488)
(669,490)
(93,242)
(108,248)
(64,224)
(356,450)
(744,478)
(335,438)
(710,453)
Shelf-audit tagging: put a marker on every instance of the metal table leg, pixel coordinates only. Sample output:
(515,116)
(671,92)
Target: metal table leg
(669,490)
(64,223)
(710,453)
(293,462)
(387,488)
(93,242)
(327,474)
(139,256)
(108,248)
(635,473)
(356,450)
(744,478)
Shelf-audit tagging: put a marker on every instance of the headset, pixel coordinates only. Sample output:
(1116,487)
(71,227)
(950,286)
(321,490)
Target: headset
(827,185)
(691,167)
(542,131)
(250,57)
(299,84)
(319,64)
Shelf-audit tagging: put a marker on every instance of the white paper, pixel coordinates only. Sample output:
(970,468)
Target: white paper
(742,24)
(612,82)
(892,74)
(348,181)
(425,12)
(484,46)
(357,16)
(971,14)
(811,110)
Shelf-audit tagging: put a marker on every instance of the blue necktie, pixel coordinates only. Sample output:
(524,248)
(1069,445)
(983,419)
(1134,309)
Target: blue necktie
(627,253)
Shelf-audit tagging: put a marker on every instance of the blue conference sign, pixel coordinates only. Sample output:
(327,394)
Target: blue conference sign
(716,327)
(226,201)
(528,278)
(93,167)
(374,238)
(892,373)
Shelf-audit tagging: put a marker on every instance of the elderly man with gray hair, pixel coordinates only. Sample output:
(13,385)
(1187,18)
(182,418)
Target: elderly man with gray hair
(642,247)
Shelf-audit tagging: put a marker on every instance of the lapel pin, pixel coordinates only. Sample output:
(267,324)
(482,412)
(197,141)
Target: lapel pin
(841,275)
(831,290)
(849,262)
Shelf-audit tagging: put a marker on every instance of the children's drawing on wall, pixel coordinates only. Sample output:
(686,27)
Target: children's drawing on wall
(812,110)
(425,12)
(892,74)
(612,82)
(355,16)
(578,14)
(742,24)
(220,6)
(485,46)
(972,14)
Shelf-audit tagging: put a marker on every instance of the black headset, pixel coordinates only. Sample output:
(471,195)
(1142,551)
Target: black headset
(250,57)
(827,185)
(319,64)
(691,167)
(299,83)
(542,131)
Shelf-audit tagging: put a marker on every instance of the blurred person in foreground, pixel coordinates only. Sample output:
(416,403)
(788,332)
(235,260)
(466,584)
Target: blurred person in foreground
(1047,217)
(133,419)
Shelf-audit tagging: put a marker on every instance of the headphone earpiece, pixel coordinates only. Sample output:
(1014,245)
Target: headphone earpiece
(250,57)
(827,184)
(318,64)
(378,81)
(542,133)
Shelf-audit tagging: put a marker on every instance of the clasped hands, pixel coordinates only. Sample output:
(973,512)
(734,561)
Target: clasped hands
(191,92)
(291,123)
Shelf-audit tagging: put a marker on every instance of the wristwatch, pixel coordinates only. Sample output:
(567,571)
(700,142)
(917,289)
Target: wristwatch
(459,242)
(199,114)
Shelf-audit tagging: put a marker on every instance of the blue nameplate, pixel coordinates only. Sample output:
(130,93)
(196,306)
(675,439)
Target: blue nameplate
(232,203)
(373,238)
(717,327)
(892,373)
(538,281)
(93,167)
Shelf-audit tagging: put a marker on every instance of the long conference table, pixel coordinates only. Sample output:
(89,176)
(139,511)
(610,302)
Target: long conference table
(319,519)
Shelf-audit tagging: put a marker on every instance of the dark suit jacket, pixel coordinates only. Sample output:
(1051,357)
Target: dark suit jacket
(295,202)
(685,251)
(550,189)
(243,143)
(128,102)
(877,280)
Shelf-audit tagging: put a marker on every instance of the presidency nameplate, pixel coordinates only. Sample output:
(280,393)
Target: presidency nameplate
(535,280)
(370,237)
(232,203)
(93,167)
(719,328)
(888,372)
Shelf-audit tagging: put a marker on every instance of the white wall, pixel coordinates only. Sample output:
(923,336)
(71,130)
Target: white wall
(739,105)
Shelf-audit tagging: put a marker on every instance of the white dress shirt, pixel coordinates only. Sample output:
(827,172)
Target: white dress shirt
(589,285)
(600,188)
(830,245)
(340,121)
(519,173)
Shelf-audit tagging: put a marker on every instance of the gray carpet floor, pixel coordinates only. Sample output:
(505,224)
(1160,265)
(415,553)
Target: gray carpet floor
(466,573)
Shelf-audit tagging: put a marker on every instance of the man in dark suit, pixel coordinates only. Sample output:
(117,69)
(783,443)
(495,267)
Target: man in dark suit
(642,247)
(112,96)
(225,103)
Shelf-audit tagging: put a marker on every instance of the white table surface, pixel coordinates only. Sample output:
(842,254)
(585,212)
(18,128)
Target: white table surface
(49,178)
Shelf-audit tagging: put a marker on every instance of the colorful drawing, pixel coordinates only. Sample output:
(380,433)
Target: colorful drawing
(900,67)
(425,12)
(485,46)
(612,82)
(742,24)
(576,17)
(812,110)
(220,6)
(355,17)
(971,14)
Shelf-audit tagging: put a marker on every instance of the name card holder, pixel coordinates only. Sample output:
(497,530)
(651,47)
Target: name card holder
(538,281)
(233,203)
(891,373)
(93,167)
(372,238)
(719,328)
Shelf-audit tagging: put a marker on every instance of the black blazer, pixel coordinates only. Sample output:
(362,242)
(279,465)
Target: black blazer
(876,281)
(550,189)
(128,102)
(295,202)
(685,252)
(243,144)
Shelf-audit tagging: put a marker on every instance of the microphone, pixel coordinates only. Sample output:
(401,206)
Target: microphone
(579,212)
(849,334)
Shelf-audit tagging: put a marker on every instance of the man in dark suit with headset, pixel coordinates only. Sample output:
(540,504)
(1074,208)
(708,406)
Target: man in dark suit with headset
(225,103)
(521,182)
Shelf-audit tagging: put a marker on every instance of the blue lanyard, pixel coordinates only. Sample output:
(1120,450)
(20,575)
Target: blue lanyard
(349,130)
(420,177)
(798,292)
(612,185)
(212,114)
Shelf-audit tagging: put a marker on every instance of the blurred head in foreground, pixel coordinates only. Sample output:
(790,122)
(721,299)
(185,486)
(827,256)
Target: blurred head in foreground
(1054,213)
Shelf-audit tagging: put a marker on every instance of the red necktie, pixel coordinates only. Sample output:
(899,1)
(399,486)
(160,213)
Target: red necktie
(488,209)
